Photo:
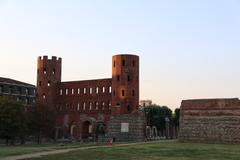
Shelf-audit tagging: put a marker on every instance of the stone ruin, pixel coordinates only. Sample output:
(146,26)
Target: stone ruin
(170,132)
(210,120)
(128,127)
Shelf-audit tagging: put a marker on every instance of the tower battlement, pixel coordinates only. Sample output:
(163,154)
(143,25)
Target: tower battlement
(48,75)
(46,58)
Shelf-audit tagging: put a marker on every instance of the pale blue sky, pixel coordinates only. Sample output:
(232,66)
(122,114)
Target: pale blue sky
(188,48)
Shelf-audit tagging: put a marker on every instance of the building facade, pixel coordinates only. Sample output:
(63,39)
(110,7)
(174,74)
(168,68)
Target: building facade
(85,107)
(19,91)
(145,103)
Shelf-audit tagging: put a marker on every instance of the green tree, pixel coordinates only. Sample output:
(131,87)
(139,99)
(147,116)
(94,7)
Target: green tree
(42,121)
(156,115)
(176,117)
(13,122)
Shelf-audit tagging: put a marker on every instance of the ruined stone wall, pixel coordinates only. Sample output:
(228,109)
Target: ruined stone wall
(137,127)
(211,121)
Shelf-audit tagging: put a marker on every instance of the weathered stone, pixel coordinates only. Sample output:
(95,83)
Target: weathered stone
(213,121)
(137,126)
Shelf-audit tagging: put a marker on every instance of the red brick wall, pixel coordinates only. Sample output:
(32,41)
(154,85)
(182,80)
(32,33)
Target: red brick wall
(73,103)
(125,78)
(48,75)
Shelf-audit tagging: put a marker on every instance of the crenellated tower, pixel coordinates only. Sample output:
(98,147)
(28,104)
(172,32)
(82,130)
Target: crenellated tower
(48,75)
(125,84)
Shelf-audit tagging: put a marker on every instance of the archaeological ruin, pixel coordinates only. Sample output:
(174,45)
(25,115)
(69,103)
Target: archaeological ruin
(94,108)
(210,121)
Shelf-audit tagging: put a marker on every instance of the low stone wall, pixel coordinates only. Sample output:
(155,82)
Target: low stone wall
(136,122)
(211,121)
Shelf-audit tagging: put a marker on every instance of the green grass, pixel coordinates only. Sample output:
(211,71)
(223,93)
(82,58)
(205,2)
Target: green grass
(157,151)
(33,148)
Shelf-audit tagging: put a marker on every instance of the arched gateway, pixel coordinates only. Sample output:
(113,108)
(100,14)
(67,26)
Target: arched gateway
(87,130)
(87,102)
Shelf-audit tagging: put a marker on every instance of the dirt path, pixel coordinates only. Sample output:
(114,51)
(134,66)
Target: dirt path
(45,153)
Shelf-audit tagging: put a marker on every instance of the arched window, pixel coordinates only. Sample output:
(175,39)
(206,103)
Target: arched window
(97,90)
(123,92)
(110,89)
(90,106)
(128,77)
(90,90)
(123,62)
(103,105)
(96,105)
(44,96)
(128,108)
(118,77)
(44,71)
(72,91)
(53,72)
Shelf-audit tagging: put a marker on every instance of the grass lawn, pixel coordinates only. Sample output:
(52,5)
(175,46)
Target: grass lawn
(158,151)
(25,149)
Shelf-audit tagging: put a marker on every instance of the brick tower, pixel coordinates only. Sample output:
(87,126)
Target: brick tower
(125,84)
(48,75)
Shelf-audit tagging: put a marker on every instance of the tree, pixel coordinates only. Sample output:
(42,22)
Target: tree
(42,121)
(156,115)
(176,117)
(13,122)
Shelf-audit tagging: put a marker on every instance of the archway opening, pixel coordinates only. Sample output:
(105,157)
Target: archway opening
(128,108)
(86,130)
(75,131)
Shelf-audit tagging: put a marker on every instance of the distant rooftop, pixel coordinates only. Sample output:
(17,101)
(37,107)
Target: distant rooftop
(12,81)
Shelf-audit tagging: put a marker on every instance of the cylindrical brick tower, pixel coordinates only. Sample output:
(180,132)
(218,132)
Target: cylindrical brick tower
(125,84)
(48,75)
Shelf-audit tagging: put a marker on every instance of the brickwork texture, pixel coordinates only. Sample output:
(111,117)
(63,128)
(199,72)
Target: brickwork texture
(210,120)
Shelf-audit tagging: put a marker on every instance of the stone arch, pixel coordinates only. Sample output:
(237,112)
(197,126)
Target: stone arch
(75,130)
(88,127)
(71,129)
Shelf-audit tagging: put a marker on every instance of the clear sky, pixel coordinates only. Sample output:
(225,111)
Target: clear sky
(188,48)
